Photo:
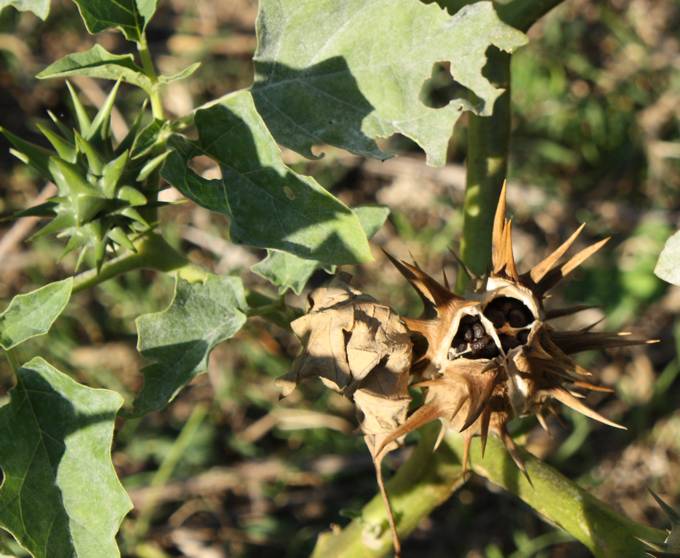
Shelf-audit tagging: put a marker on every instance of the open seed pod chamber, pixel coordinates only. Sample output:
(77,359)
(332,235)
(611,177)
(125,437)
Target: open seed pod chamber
(483,358)
(492,355)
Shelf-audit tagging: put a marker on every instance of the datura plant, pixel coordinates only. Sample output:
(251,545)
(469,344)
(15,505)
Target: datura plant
(343,76)
(483,358)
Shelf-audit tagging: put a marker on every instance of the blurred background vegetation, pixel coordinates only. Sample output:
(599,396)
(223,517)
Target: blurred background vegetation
(596,138)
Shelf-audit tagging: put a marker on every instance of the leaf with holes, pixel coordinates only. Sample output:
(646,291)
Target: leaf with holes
(60,495)
(98,63)
(179,339)
(269,205)
(32,314)
(129,16)
(346,73)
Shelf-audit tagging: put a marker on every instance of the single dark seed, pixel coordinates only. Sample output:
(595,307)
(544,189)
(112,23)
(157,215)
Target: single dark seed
(478,330)
(468,335)
(517,318)
(506,307)
(523,336)
(460,348)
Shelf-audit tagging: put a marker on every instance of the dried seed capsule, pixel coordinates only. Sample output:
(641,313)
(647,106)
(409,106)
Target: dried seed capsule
(481,392)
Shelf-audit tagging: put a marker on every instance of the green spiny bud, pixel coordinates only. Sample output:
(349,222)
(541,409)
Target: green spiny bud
(103,199)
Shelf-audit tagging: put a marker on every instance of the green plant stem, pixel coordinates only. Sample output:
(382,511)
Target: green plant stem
(274,311)
(152,253)
(487,165)
(606,533)
(150,71)
(426,480)
(155,253)
(164,472)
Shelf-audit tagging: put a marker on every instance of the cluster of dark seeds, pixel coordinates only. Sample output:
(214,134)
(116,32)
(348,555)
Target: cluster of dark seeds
(505,310)
(472,341)
(507,315)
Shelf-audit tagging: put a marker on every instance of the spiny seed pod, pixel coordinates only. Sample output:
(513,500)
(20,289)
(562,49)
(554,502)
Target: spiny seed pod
(483,359)
(493,356)
(104,194)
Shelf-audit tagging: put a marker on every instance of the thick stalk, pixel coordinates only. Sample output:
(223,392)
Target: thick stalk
(487,165)
(428,479)
(606,533)
(156,254)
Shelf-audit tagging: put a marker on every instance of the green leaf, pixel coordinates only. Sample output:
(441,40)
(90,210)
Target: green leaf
(130,16)
(210,194)
(287,271)
(32,314)
(60,495)
(372,218)
(182,74)
(98,63)
(346,73)
(41,8)
(668,266)
(179,339)
(270,205)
